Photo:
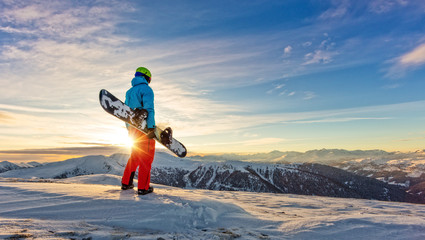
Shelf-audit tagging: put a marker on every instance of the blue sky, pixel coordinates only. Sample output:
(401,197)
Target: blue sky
(228,76)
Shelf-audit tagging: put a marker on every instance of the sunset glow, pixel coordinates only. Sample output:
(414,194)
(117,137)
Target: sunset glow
(227,76)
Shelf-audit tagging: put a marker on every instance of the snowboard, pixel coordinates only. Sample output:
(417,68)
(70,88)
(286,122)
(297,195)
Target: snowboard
(137,119)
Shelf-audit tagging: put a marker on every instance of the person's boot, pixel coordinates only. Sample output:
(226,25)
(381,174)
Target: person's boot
(126,187)
(144,192)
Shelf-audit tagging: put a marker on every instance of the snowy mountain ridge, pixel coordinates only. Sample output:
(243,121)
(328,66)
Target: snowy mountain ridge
(396,168)
(305,178)
(7,166)
(323,156)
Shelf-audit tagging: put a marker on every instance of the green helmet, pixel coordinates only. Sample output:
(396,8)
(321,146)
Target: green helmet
(142,71)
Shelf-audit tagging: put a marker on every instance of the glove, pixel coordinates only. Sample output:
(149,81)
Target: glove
(152,133)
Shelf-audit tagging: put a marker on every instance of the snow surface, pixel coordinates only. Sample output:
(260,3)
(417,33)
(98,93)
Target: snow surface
(33,204)
(93,206)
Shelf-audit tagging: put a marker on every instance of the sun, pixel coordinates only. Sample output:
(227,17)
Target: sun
(126,141)
(118,137)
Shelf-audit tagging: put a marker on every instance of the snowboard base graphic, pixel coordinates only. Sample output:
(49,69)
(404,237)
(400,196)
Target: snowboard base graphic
(137,119)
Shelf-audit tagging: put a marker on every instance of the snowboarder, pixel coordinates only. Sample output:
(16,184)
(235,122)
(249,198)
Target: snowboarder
(140,96)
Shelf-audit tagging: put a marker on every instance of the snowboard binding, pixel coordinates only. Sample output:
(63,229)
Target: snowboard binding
(167,136)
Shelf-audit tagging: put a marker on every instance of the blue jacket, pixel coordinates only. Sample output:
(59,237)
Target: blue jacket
(141,96)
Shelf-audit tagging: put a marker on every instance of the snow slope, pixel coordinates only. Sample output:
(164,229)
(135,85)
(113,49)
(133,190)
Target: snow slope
(67,208)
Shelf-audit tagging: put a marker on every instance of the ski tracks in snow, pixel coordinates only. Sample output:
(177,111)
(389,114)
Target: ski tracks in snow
(52,210)
(59,210)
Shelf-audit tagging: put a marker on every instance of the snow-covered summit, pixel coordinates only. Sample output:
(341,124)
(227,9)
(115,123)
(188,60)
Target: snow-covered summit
(307,179)
(323,156)
(7,166)
(69,168)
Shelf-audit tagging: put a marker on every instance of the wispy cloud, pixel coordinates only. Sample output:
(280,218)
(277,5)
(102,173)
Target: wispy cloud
(57,154)
(291,93)
(5,117)
(338,11)
(336,120)
(249,142)
(370,113)
(277,88)
(62,20)
(75,52)
(408,61)
(309,95)
(105,149)
(62,46)
(412,139)
(17,108)
(414,57)
(56,55)
(383,6)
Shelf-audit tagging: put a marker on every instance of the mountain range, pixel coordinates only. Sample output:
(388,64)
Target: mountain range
(350,177)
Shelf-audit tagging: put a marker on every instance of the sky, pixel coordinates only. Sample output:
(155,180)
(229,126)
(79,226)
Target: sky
(228,76)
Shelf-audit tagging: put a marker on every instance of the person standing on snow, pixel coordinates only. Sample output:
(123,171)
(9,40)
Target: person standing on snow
(140,96)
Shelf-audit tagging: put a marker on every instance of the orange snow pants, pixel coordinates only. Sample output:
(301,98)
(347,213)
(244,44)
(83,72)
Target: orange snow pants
(142,155)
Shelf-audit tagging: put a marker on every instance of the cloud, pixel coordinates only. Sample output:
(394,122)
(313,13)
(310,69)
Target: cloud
(16,108)
(63,52)
(276,88)
(287,51)
(410,60)
(309,95)
(58,154)
(378,112)
(318,56)
(4,118)
(335,12)
(63,46)
(70,52)
(335,120)
(262,141)
(258,142)
(224,139)
(61,20)
(104,149)
(412,139)
(392,86)
(384,6)
(307,44)
(414,57)
(323,54)
(26,14)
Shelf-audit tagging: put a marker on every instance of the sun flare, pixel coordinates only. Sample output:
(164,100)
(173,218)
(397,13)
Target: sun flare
(127,141)
(118,137)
